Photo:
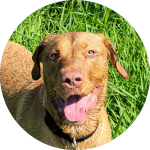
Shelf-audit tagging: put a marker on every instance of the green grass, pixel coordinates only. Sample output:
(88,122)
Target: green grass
(125,98)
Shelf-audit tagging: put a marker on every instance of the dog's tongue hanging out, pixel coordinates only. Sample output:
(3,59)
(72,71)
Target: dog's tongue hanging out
(77,107)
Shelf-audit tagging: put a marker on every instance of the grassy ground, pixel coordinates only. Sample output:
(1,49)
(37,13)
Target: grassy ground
(125,97)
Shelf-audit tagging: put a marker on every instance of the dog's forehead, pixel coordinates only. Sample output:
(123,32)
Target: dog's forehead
(74,43)
(77,41)
(81,37)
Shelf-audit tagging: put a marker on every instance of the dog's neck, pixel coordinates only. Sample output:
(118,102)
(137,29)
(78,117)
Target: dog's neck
(58,131)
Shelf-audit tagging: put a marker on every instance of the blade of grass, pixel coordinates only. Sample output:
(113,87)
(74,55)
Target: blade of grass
(107,15)
(29,37)
(62,15)
(119,123)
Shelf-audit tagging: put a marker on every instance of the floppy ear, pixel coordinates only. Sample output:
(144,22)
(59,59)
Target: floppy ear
(113,56)
(37,58)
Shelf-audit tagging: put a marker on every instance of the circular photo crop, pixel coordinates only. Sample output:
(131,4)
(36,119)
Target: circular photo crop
(75,75)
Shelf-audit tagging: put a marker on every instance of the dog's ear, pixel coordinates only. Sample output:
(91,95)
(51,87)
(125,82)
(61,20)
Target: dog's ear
(37,58)
(113,56)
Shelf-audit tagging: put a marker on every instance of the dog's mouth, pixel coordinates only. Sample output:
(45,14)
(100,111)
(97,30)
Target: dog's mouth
(76,107)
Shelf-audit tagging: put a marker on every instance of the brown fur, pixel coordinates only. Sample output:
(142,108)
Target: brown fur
(27,98)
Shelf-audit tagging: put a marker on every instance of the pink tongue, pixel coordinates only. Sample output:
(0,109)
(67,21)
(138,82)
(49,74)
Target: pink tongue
(75,109)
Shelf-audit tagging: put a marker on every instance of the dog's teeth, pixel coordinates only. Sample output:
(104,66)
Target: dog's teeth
(89,94)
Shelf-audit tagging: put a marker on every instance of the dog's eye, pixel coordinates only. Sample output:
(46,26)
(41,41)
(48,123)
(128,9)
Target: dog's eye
(90,52)
(55,56)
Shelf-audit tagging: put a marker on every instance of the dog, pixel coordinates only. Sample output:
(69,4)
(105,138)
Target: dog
(57,94)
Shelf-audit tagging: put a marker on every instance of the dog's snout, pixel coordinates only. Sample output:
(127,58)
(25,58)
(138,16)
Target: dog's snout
(72,79)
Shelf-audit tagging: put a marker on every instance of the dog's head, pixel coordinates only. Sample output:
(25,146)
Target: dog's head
(75,68)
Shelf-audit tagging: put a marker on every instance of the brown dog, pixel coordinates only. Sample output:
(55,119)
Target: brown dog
(63,105)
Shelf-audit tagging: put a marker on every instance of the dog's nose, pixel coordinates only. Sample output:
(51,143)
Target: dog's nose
(72,79)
